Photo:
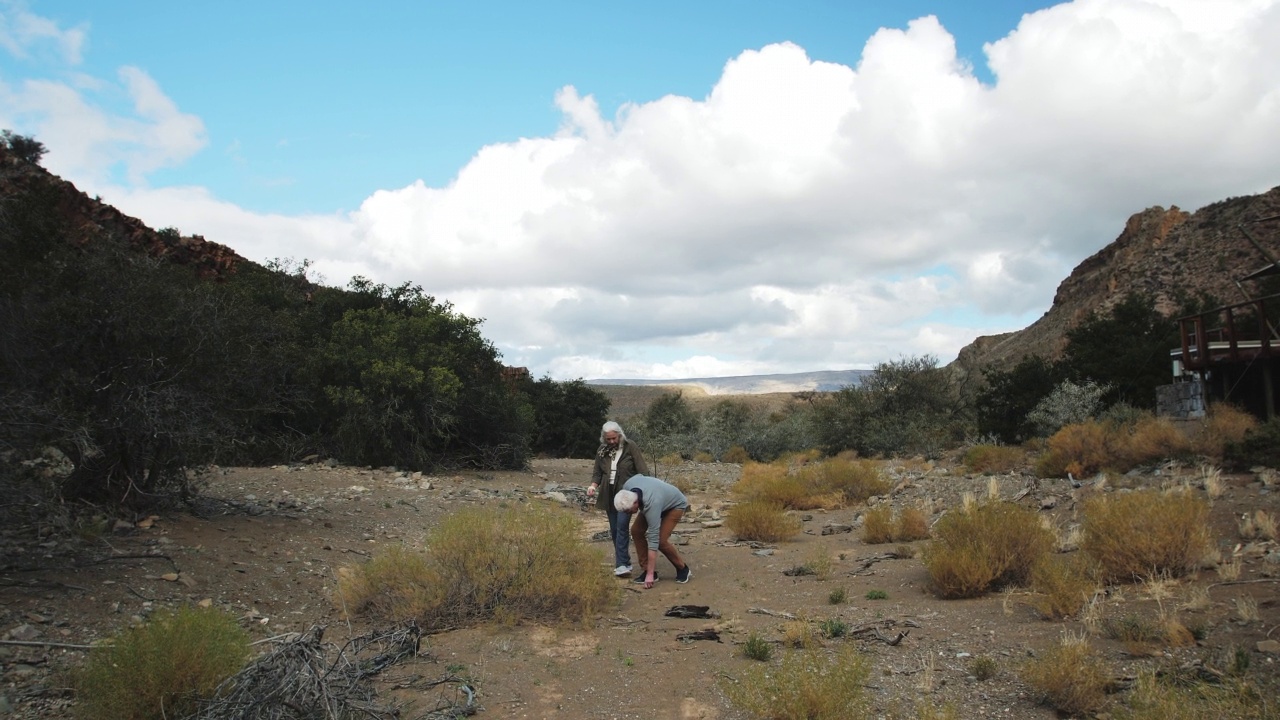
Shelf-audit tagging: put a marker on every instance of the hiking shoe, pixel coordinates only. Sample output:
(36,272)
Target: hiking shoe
(683,574)
(640,578)
(622,570)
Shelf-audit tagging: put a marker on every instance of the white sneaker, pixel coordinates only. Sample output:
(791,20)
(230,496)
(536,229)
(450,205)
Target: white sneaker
(622,570)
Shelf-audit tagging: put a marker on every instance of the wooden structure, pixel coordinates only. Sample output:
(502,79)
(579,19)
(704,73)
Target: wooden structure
(1234,351)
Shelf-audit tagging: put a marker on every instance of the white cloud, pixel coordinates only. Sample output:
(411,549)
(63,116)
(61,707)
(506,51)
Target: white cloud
(802,215)
(22,34)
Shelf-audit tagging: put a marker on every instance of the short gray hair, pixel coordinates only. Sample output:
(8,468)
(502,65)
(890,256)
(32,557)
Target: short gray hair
(625,500)
(612,426)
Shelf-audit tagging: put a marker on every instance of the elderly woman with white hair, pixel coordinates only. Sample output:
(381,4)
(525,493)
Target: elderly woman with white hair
(658,506)
(616,461)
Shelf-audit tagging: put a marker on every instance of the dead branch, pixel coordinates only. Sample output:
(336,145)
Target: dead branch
(771,613)
(37,643)
(699,635)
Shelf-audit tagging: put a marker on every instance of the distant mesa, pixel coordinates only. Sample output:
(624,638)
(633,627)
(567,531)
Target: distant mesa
(820,381)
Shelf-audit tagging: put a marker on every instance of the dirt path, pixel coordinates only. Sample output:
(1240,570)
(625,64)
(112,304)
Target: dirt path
(270,550)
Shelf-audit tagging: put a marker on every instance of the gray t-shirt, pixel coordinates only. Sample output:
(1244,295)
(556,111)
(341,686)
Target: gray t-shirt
(656,497)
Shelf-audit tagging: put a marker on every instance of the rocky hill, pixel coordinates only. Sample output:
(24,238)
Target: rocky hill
(94,221)
(1166,254)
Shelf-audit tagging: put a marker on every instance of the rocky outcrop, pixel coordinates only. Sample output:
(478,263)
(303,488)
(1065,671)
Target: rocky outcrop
(91,221)
(1167,254)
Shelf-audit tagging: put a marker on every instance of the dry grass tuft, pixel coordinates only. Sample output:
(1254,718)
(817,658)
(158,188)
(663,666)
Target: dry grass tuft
(912,524)
(1174,694)
(1258,526)
(1211,481)
(1246,608)
(829,484)
(1133,535)
(1069,677)
(736,454)
(799,634)
(509,565)
(804,685)
(984,546)
(762,520)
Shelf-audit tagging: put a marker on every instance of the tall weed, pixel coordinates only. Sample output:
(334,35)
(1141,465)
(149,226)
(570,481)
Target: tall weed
(1069,677)
(762,520)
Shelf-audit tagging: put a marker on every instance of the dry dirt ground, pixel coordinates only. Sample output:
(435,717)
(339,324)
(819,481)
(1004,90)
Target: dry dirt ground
(270,549)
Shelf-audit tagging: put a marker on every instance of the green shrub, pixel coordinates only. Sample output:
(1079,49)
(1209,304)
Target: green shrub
(757,648)
(1259,447)
(509,565)
(983,667)
(877,595)
(1134,535)
(984,546)
(833,628)
(806,685)
(161,669)
(837,596)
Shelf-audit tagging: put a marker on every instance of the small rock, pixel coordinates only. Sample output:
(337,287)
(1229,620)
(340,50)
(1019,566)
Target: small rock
(24,632)
(834,529)
(764,553)
(1269,646)
(713,523)
(557,496)
(1048,502)
(205,603)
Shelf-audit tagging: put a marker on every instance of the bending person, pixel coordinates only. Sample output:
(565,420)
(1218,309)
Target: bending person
(617,460)
(658,506)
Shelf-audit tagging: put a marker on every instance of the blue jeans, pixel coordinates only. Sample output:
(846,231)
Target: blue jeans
(619,530)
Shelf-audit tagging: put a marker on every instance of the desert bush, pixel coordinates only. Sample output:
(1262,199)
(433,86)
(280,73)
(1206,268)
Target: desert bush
(833,628)
(1133,535)
(761,520)
(566,416)
(876,595)
(993,458)
(1062,586)
(911,524)
(877,525)
(736,454)
(805,685)
(1070,403)
(770,482)
(854,480)
(837,596)
(1260,447)
(1223,426)
(1149,439)
(1069,677)
(799,634)
(161,669)
(1133,629)
(1258,526)
(984,546)
(983,667)
(757,648)
(1080,449)
(511,564)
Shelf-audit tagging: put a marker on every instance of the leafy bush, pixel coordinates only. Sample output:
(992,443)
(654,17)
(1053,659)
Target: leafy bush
(805,685)
(736,454)
(1069,677)
(567,417)
(1142,533)
(833,628)
(509,565)
(984,546)
(877,595)
(761,520)
(161,669)
(908,406)
(1070,403)
(993,458)
(1002,406)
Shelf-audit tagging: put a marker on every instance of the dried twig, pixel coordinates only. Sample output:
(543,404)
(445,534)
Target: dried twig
(37,643)
(771,613)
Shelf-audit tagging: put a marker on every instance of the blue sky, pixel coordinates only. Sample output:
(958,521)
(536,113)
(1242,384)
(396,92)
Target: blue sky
(663,189)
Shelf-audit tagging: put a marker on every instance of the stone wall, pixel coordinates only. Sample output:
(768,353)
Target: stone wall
(1181,400)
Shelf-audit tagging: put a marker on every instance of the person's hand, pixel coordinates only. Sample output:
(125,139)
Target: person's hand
(591,490)
(649,579)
